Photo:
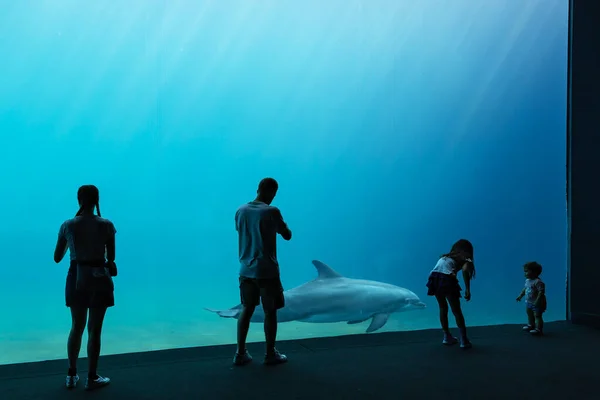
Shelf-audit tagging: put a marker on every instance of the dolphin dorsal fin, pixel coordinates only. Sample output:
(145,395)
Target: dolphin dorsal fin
(325,271)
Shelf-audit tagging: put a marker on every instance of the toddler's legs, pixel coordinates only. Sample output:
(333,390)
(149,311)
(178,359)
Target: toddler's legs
(535,322)
(530,319)
(539,322)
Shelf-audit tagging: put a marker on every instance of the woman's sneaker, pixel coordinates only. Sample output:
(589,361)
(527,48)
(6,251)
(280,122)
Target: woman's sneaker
(91,384)
(275,358)
(72,381)
(242,359)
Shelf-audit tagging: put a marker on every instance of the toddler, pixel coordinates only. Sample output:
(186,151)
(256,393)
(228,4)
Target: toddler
(535,298)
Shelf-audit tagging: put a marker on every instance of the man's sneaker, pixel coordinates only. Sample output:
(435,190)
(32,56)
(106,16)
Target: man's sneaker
(536,332)
(449,340)
(528,328)
(91,384)
(465,343)
(275,358)
(72,381)
(242,359)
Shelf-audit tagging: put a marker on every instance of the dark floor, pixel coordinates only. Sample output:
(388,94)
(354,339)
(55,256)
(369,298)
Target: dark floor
(504,363)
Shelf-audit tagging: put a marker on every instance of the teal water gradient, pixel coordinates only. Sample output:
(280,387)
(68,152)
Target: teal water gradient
(393,127)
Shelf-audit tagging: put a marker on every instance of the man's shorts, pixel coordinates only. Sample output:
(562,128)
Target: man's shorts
(267,291)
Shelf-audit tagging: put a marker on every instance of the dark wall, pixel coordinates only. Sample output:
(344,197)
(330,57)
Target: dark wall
(583,298)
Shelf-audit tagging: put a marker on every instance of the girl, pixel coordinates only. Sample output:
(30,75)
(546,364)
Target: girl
(91,243)
(443,284)
(535,292)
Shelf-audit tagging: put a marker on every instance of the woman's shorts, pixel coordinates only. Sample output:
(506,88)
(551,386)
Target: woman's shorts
(85,299)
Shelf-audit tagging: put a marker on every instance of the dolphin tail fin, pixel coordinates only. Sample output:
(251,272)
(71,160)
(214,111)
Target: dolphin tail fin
(231,313)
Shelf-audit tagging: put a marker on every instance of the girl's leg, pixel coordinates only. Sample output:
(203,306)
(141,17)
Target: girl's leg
(78,321)
(448,338)
(457,311)
(443,312)
(454,302)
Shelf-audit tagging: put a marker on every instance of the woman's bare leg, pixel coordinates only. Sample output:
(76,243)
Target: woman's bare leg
(94,339)
(78,321)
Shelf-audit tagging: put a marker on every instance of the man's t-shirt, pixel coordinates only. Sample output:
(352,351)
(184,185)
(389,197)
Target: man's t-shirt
(258,225)
(87,236)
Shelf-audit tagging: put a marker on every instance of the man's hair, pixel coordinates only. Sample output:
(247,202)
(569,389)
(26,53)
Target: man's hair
(268,185)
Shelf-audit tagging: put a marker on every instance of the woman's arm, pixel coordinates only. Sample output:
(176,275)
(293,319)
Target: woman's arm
(110,249)
(61,247)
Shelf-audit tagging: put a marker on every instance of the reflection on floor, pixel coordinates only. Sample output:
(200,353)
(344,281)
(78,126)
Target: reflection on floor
(504,363)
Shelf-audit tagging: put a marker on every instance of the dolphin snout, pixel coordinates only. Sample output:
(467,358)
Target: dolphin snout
(420,304)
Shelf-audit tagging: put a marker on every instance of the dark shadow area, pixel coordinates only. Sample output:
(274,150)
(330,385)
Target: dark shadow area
(584,163)
(504,363)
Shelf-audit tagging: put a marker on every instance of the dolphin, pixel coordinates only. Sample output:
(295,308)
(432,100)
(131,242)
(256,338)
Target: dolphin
(331,297)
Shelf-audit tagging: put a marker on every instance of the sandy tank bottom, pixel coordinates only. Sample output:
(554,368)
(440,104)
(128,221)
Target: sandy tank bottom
(127,335)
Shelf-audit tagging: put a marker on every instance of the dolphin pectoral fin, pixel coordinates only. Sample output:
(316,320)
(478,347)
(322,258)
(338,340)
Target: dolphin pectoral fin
(231,313)
(358,321)
(379,320)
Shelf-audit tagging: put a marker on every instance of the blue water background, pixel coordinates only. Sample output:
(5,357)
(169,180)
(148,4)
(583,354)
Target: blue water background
(393,128)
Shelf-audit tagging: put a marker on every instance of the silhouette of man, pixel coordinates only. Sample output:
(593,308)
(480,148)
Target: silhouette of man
(258,224)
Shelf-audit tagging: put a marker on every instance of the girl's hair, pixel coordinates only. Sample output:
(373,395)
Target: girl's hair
(462,252)
(89,198)
(534,267)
